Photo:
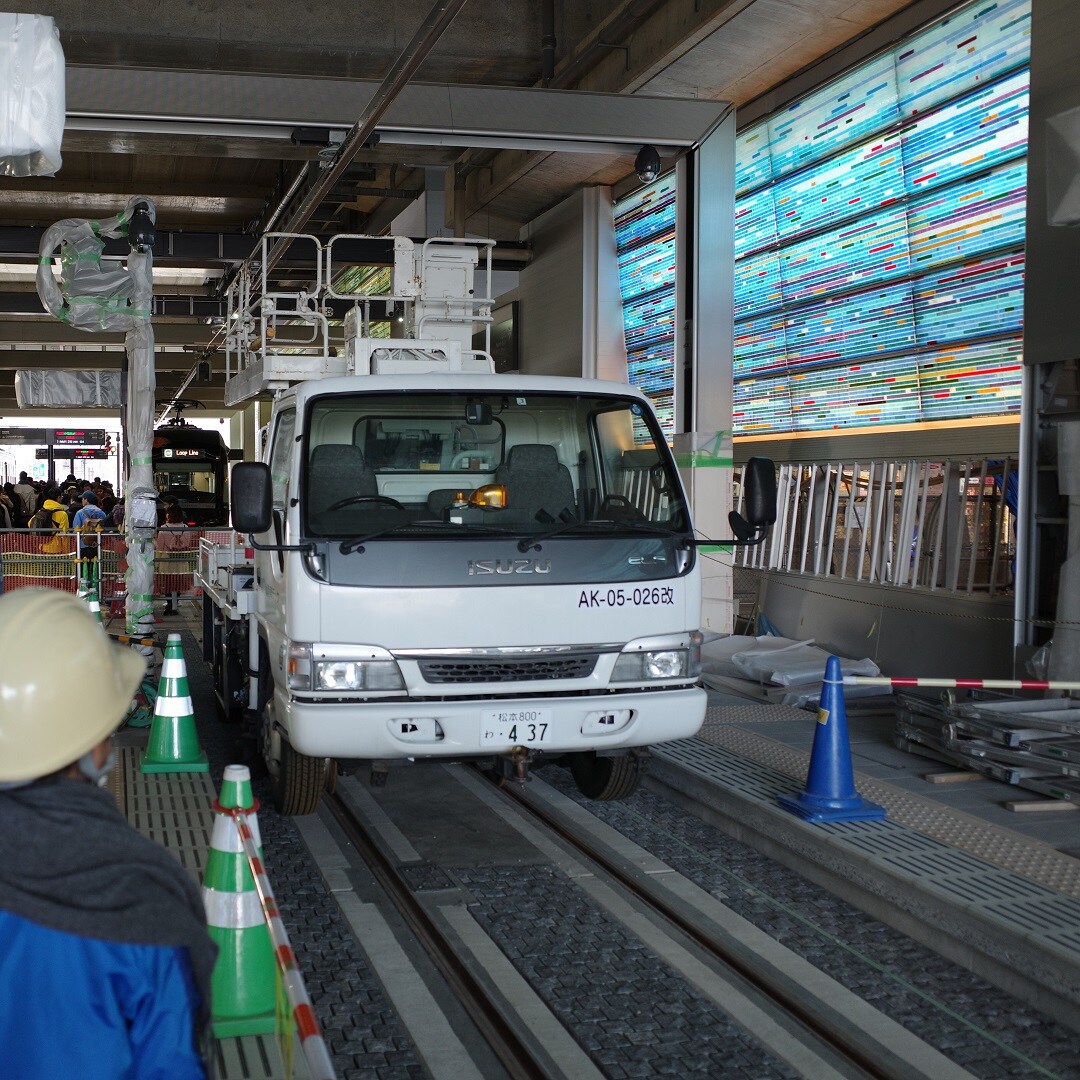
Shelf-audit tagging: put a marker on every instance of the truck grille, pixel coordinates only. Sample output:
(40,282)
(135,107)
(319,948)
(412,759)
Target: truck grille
(514,670)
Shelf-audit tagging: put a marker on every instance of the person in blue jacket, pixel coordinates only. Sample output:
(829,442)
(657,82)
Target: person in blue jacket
(105,959)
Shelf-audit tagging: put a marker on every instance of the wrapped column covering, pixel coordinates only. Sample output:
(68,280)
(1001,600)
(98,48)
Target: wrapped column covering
(61,388)
(98,296)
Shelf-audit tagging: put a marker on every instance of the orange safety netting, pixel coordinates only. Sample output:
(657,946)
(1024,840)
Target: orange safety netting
(58,561)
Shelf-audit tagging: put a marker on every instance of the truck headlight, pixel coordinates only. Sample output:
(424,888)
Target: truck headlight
(358,675)
(639,663)
(344,668)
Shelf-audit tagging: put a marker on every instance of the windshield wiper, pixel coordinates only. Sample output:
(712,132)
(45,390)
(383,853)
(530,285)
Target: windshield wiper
(600,525)
(356,543)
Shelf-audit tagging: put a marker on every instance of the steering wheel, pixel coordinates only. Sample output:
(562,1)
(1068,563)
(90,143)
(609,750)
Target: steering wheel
(364,498)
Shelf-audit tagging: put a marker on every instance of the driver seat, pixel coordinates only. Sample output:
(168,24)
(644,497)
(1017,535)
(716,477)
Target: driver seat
(536,481)
(337,471)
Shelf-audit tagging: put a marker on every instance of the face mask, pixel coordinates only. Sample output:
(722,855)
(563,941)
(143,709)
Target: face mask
(93,773)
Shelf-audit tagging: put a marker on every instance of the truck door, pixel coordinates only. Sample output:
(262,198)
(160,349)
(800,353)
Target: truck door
(272,563)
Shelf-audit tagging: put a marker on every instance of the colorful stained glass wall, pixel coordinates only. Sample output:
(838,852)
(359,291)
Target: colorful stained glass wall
(879,237)
(645,239)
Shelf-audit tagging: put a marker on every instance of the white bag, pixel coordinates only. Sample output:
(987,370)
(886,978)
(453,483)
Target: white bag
(32,95)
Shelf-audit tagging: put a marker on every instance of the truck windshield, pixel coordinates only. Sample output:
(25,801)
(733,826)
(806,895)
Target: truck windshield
(438,464)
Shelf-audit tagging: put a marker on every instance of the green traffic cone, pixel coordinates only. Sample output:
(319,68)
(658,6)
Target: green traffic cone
(243,986)
(94,605)
(174,742)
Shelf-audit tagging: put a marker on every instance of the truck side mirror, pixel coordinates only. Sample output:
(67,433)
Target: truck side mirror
(250,497)
(759,500)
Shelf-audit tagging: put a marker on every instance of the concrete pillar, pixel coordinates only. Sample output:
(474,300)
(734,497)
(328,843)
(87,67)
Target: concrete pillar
(1065,655)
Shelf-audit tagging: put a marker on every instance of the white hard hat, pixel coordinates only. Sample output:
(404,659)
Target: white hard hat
(48,641)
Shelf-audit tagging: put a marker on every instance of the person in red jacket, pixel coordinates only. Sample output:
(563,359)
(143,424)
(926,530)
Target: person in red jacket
(105,960)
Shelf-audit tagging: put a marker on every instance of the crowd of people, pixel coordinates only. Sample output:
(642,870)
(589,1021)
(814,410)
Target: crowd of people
(94,499)
(92,510)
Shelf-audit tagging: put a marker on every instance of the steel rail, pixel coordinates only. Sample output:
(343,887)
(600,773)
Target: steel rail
(842,1043)
(504,1040)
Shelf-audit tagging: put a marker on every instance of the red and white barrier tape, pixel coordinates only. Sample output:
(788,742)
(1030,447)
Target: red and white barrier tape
(963,684)
(307,1024)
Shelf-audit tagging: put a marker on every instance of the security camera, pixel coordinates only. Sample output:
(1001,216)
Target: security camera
(647,164)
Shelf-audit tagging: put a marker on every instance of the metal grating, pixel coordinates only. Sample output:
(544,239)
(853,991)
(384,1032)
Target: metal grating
(894,842)
(1054,912)
(500,671)
(176,809)
(1001,874)
(256,1057)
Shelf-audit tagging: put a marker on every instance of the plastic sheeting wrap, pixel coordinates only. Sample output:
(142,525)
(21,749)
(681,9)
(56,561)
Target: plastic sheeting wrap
(103,295)
(32,95)
(786,671)
(47,389)
(793,664)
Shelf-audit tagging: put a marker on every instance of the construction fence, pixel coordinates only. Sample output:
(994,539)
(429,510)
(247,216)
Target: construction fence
(66,560)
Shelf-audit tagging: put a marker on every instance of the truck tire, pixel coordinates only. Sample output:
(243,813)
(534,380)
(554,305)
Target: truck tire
(606,778)
(296,780)
(299,783)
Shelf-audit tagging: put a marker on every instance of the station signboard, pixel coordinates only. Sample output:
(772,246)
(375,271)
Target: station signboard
(78,437)
(17,436)
(78,453)
(23,436)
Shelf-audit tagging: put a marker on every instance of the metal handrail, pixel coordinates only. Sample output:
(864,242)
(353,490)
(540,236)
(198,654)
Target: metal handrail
(943,525)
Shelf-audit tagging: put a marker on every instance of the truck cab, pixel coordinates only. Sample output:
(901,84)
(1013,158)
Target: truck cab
(450,564)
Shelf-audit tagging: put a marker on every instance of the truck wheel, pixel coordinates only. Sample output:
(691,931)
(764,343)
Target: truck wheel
(230,683)
(606,778)
(296,780)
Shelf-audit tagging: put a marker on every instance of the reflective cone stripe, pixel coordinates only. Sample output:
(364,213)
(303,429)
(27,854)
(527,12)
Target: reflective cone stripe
(243,984)
(174,741)
(173,667)
(95,606)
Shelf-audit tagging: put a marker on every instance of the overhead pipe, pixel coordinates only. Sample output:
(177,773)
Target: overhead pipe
(406,65)
(287,198)
(547,42)
(615,33)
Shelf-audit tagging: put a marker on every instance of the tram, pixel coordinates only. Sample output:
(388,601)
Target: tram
(191,465)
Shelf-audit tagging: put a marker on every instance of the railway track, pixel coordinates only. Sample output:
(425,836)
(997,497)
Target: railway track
(808,1030)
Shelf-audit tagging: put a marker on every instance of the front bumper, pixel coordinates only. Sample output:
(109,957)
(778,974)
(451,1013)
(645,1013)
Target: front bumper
(390,730)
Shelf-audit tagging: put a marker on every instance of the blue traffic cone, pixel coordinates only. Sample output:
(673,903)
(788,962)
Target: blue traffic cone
(830,793)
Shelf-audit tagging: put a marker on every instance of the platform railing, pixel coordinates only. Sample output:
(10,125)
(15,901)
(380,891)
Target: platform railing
(935,525)
(30,557)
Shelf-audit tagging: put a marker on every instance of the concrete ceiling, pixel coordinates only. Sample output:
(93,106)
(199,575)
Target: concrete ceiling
(216,186)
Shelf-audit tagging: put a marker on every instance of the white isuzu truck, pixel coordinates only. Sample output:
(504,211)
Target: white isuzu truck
(448,563)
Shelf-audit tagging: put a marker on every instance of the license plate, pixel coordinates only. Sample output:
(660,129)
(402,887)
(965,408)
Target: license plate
(515,727)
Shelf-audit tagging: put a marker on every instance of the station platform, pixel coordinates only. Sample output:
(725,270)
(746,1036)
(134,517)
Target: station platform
(995,890)
(176,810)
